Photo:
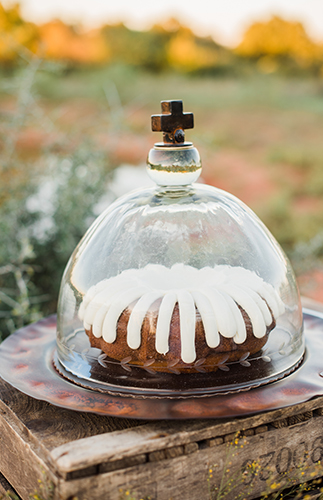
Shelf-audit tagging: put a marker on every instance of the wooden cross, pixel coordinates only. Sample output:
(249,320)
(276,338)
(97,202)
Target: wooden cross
(172,122)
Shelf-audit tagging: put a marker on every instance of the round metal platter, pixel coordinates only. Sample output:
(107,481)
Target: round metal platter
(26,362)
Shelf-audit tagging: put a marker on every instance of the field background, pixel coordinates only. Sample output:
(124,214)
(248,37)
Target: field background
(69,120)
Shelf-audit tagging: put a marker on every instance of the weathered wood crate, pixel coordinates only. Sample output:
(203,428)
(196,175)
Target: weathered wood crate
(63,454)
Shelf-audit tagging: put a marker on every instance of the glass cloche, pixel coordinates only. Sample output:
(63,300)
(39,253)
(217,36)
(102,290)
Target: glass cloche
(179,289)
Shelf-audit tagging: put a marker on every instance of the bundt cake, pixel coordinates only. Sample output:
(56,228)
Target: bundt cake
(181,319)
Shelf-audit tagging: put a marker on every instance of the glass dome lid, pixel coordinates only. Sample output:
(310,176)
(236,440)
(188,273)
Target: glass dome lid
(178,290)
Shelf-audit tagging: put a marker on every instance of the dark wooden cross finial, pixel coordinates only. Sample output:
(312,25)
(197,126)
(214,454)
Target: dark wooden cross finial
(172,122)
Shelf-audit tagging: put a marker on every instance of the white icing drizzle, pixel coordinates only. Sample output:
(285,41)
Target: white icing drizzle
(187,320)
(215,292)
(137,317)
(109,330)
(205,309)
(222,313)
(165,314)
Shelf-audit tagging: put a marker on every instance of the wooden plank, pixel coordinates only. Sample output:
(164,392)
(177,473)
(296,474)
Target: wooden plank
(6,488)
(20,462)
(52,426)
(161,435)
(280,457)
(29,429)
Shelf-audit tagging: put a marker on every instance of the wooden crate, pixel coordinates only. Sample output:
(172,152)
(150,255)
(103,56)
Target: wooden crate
(63,454)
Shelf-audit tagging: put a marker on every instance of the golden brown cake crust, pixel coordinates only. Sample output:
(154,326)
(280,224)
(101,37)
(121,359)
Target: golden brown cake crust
(207,358)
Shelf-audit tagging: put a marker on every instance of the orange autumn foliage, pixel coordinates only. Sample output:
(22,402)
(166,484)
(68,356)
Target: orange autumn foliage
(272,45)
(280,39)
(16,35)
(62,42)
(185,52)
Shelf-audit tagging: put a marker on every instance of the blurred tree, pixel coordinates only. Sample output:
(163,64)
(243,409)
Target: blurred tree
(278,41)
(186,52)
(275,44)
(165,45)
(189,53)
(63,42)
(139,48)
(16,34)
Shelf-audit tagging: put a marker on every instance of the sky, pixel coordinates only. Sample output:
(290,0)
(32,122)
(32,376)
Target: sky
(224,20)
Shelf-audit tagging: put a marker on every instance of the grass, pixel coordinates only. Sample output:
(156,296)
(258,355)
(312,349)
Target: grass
(207,92)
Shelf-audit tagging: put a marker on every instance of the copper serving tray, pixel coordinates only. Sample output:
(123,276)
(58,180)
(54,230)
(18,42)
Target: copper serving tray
(26,362)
